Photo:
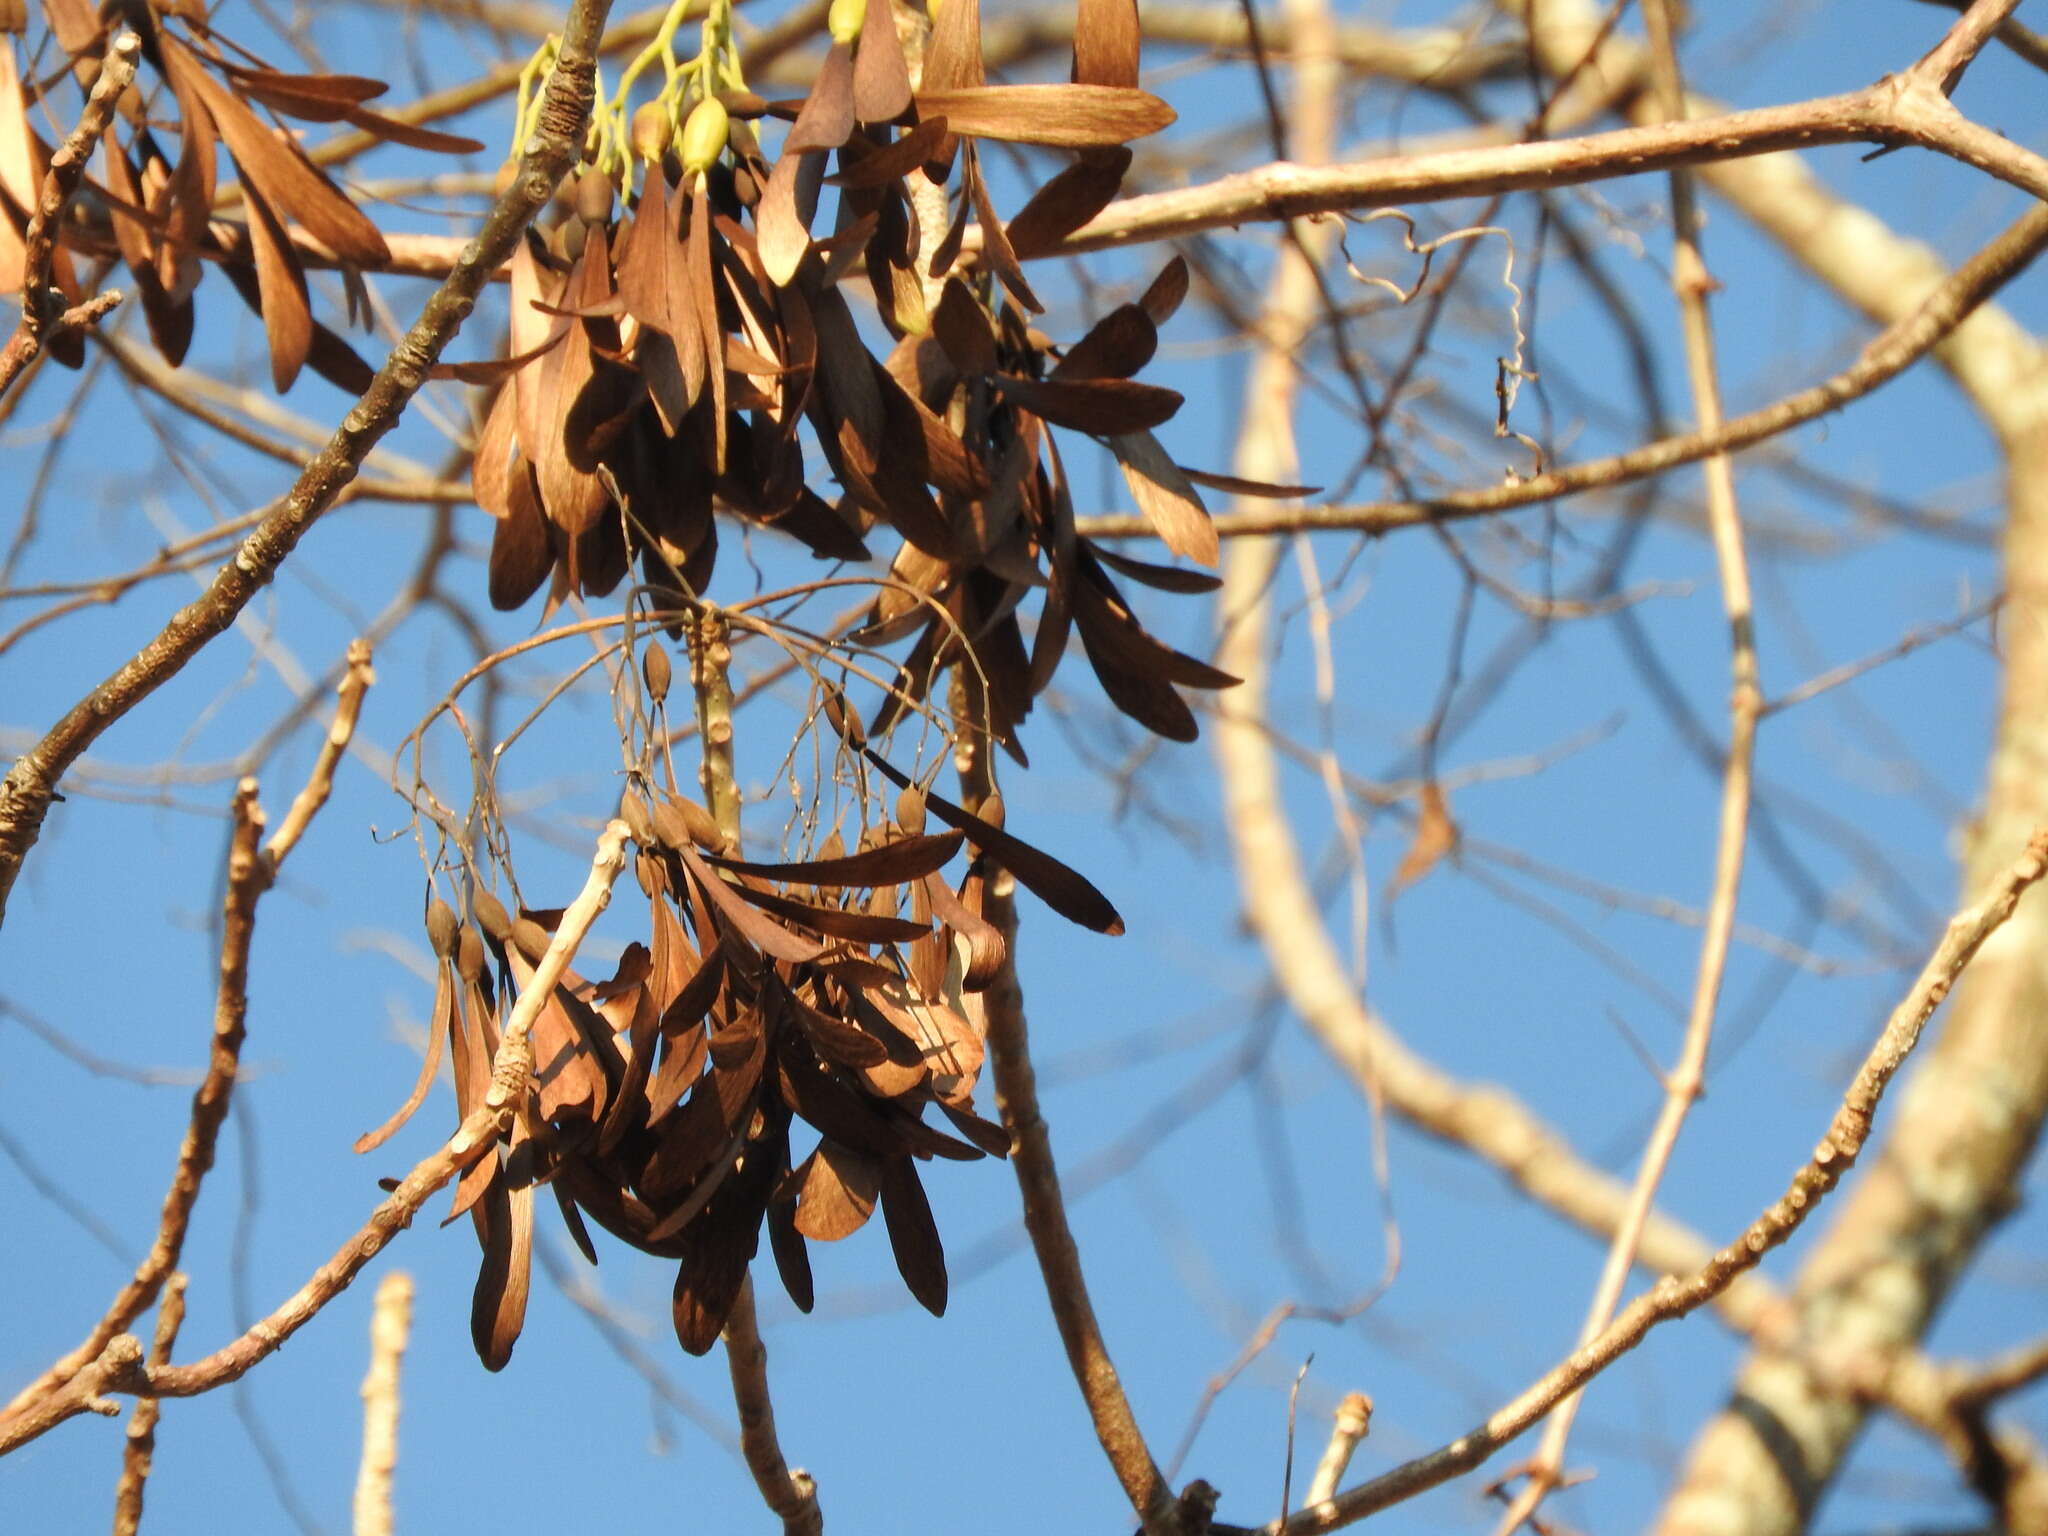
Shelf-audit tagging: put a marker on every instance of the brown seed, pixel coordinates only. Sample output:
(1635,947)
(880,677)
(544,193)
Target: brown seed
(651,130)
(469,955)
(845,718)
(491,915)
(656,671)
(910,809)
(633,812)
(531,939)
(593,196)
(441,928)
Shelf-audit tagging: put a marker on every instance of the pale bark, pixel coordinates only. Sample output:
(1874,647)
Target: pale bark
(1972,1111)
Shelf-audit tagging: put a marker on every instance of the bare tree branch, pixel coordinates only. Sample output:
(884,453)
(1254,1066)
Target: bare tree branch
(1676,1296)
(25,795)
(43,312)
(390,1325)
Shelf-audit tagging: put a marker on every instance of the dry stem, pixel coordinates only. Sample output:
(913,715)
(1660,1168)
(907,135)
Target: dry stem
(26,793)
(1684,1083)
(390,1324)
(1676,1296)
(138,1454)
(1052,1239)
(40,316)
(250,873)
(790,1492)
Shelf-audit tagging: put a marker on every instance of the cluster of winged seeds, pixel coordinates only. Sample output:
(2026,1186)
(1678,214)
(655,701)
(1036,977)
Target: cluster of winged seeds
(683,350)
(672,348)
(840,992)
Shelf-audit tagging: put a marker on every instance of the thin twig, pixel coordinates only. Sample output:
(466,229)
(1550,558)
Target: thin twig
(250,873)
(247,878)
(1353,1423)
(789,1491)
(1678,1296)
(26,793)
(1888,354)
(1911,641)
(43,313)
(139,1452)
(1946,62)
(355,682)
(512,1070)
(1052,1238)
(119,1366)
(1686,1080)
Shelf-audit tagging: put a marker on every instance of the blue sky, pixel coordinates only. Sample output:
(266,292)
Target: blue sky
(1202,1196)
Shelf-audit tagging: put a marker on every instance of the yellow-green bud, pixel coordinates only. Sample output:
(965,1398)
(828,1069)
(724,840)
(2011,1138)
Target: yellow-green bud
(846,18)
(650,130)
(704,132)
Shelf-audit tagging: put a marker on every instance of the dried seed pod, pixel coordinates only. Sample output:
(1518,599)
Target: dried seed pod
(633,812)
(844,718)
(910,809)
(702,827)
(593,196)
(704,134)
(469,955)
(491,915)
(656,672)
(651,130)
(530,938)
(680,822)
(441,928)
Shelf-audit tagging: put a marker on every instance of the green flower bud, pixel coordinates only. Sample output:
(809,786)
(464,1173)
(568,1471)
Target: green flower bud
(704,134)
(846,18)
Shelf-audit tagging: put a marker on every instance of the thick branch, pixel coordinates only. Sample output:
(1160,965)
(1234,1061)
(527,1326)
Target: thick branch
(1902,110)
(25,796)
(1674,1296)
(1888,355)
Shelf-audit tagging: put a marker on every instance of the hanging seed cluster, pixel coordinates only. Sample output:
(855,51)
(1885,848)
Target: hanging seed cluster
(840,992)
(683,352)
(678,353)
